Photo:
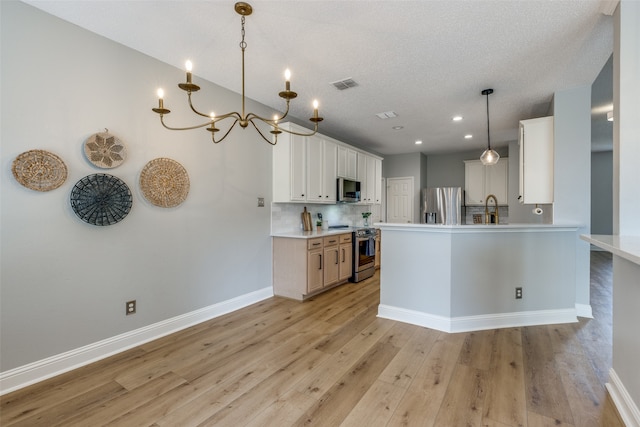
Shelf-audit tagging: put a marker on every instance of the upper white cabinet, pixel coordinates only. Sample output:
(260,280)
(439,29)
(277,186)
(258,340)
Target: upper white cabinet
(290,166)
(305,169)
(321,167)
(347,162)
(536,161)
(481,180)
(369,173)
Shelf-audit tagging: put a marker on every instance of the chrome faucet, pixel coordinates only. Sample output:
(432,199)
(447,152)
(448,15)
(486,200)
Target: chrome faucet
(494,215)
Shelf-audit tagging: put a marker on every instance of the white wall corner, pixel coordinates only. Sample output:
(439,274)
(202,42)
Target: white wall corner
(584,310)
(40,370)
(627,408)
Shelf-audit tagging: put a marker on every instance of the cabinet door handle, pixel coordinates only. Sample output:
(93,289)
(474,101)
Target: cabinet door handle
(337,258)
(320,266)
(342,254)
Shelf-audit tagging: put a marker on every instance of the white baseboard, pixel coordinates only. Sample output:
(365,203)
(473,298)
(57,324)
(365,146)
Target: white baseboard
(584,310)
(477,323)
(32,373)
(627,408)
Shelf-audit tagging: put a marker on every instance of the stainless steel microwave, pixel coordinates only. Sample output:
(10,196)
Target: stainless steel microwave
(348,191)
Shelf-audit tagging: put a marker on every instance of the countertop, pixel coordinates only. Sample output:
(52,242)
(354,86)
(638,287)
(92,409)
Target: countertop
(299,234)
(627,247)
(477,228)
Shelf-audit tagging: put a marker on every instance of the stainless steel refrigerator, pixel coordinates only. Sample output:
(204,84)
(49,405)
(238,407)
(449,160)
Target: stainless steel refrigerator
(442,205)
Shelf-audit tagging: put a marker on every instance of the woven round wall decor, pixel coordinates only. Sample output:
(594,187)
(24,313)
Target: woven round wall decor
(101,199)
(105,150)
(39,170)
(164,182)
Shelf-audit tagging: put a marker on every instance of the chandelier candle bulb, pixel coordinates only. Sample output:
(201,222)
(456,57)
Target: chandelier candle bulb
(287,80)
(160,100)
(189,67)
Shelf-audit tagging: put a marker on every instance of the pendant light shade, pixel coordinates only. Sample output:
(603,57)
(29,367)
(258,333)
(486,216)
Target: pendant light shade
(489,156)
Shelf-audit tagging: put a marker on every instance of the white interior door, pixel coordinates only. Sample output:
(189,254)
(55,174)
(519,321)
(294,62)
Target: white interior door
(400,200)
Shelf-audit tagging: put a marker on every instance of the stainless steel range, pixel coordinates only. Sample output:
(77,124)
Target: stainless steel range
(364,253)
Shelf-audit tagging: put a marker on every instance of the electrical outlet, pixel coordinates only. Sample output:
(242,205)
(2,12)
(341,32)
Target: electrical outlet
(261,202)
(518,293)
(131,307)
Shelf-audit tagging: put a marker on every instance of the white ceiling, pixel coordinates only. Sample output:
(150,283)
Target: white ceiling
(425,60)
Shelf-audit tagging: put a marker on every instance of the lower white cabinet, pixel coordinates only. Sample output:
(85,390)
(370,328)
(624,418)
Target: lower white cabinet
(481,180)
(304,267)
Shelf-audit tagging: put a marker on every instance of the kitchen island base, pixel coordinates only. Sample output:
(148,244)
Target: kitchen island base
(463,278)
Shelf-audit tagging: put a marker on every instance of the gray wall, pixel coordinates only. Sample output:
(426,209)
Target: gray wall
(406,165)
(447,170)
(626,203)
(572,171)
(65,282)
(602,192)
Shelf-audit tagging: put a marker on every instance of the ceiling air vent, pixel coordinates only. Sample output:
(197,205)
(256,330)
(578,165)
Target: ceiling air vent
(345,84)
(387,115)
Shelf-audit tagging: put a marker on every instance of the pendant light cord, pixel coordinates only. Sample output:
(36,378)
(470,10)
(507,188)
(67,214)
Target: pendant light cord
(488,134)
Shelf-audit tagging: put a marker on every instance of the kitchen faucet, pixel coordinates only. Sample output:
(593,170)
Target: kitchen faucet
(494,215)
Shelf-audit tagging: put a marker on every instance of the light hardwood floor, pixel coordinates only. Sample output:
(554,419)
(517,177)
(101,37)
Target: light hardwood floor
(331,362)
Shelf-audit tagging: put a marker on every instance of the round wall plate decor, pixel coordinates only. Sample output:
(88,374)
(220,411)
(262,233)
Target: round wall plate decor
(164,182)
(39,170)
(101,199)
(105,150)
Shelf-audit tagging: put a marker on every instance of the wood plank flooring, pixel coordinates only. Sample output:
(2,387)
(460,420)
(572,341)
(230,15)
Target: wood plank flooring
(331,362)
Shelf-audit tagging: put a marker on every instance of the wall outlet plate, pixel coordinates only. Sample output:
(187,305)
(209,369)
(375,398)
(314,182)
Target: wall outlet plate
(518,293)
(130,307)
(261,202)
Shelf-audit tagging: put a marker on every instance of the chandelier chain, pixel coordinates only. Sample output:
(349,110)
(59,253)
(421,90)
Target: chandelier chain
(243,44)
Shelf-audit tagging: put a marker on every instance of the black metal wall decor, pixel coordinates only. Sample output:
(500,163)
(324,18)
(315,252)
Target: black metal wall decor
(101,199)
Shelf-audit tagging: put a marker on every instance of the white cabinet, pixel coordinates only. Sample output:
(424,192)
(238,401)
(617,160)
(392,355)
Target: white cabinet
(369,174)
(347,162)
(536,161)
(481,180)
(290,166)
(304,168)
(378,181)
(321,170)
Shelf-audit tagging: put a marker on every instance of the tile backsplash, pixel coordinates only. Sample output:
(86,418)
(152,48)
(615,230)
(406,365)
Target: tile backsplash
(470,211)
(286,216)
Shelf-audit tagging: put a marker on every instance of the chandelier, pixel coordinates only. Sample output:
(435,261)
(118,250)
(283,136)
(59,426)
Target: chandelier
(243,119)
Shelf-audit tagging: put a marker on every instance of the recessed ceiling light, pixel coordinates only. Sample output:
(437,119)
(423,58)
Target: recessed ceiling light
(457,118)
(397,127)
(418,142)
(468,136)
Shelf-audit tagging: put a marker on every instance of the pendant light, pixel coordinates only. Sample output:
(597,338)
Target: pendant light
(489,156)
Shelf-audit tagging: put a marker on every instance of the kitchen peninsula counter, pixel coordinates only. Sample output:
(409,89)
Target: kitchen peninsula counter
(458,278)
